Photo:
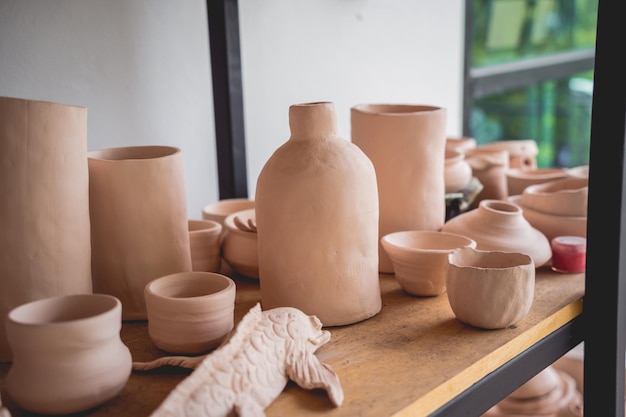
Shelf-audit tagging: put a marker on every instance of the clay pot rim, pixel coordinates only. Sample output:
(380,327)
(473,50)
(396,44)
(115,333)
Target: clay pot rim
(489,260)
(222,208)
(133,153)
(536,173)
(567,185)
(397,110)
(204,225)
(215,286)
(229,222)
(442,237)
(65,310)
(548,217)
(514,146)
(504,207)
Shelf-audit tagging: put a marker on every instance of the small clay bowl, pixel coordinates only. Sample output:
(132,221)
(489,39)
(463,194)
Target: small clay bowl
(457,171)
(190,312)
(552,225)
(563,197)
(490,289)
(239,247)
(519,178)
(219,210)
(420,258)
(205,245)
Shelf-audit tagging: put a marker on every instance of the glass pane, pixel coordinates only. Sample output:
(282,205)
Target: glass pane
(509,30)
(556,114)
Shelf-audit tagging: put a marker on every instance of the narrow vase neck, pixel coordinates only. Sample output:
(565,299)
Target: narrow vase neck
(312,121)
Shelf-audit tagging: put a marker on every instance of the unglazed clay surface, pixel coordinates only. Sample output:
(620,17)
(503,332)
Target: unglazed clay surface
(317,222)
(244,375)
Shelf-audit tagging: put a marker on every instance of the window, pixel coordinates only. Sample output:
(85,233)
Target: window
(529,75)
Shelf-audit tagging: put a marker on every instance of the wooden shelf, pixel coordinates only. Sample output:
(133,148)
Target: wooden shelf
(409,360)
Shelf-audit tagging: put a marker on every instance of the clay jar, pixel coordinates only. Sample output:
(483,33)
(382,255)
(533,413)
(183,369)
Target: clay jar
(457,171)
(406,144)
(317,222)
(190,312)
(490,289)
(205,245)
(501,226)
(68,355)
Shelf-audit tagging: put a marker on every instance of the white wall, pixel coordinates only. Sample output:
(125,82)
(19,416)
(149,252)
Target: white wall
(142,68)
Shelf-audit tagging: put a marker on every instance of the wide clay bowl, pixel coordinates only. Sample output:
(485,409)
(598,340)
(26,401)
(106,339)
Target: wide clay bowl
(460,143)
(239,248)
(67,353)
(190,312)
(519,178)
(551,225)
(490,289)
(420,258)
(564,197)
(219,210)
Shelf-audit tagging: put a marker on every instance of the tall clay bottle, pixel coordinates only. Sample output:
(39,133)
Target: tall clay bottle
(44,214)
(317,222)
(406,143)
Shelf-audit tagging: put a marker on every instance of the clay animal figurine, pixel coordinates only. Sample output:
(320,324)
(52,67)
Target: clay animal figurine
(252,367)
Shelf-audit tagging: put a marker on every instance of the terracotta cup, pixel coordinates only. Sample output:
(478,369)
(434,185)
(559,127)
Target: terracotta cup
(205,245)
(67,353)
(490,289)
(190,312)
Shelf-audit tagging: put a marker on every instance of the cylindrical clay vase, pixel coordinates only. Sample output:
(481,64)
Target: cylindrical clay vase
(317,222)
(406,144)
(138,221)
(44,214)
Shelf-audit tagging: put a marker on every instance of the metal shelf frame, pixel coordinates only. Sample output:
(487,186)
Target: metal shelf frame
(602,325)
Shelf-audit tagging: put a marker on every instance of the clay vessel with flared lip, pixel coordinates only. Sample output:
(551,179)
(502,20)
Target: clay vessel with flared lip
(490,289)
(68,354)
(500,225)
(190,312)
(420,258)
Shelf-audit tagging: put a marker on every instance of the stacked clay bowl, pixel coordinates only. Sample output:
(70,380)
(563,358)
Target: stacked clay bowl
(518,179)
(239,248)
(556,208)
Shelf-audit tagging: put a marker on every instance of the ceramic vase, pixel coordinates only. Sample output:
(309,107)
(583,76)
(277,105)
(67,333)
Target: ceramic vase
(45,239)
(490,167)
(406,144)
(138,221)
(501,226)
(68,355)
(317,222)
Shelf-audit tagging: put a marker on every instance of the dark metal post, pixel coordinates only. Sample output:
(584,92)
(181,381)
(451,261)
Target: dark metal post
(223,17)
